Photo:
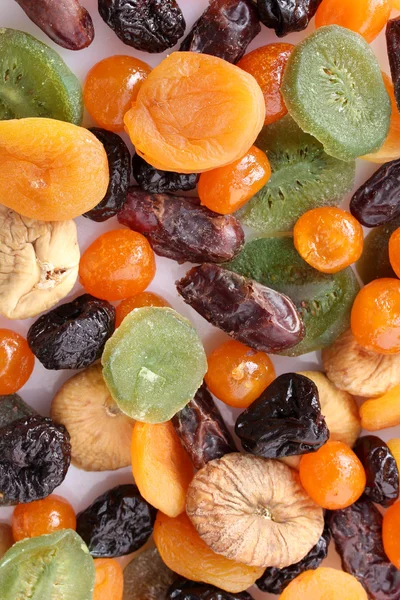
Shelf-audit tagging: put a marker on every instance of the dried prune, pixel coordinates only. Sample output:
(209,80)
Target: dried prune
(285,420)
(393,47)
(156,181)
(225,29)
(181,229)
(202,430)
(247,311)
(147,25)
(357,532)
(286,16)
(13,408)
(119,164)
(117,523)
(183,589)
(73,335)
(35,455)
(381,469)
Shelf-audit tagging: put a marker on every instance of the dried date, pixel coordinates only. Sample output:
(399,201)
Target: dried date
(183,589)
(287,16)
(393,47)
(180,228)
(156,181)
(246,310)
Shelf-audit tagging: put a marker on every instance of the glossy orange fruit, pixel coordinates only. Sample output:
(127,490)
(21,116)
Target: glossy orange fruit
(109,582)
(42,517)
(143,299)
(16,361)
(391,534)
(367,17)
(394,251)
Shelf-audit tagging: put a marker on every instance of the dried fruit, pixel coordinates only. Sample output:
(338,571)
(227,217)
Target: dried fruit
(374,262)
(381,469)
(394,447)
(254,511)
(393,45)
(394,251)
(118,522)
(179,228)
(286,16)
(324,583)
(16,361)
(146,577)
(42,517)
(366,17)
(73,335)
(184,589)
(100,433)
(382,412)
(109,583)
(390,534)
(138,301)
(6,539)
(155,181)
(13,408)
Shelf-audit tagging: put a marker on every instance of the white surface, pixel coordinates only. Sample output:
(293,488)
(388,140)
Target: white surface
(80,487)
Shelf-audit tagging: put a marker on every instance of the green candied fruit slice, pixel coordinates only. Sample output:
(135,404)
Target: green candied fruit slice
(35,81)
(56,566)
(303,177)
(374,262)
(154,364)
(333,88)
(323,301)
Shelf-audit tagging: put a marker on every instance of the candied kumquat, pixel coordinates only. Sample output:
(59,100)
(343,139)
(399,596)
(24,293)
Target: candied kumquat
(380,413)
(367,17)
(394,251)
(391,534)
(109,582)
(324,584)
(391,147)
(16,361)
(143,299)
(42,517)
(394,447)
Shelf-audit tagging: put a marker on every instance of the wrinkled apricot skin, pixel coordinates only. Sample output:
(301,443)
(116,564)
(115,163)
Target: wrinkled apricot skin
(391,534)
(394,447)
(391,147)
(143,299)
(324,584)
(383,412)
(42,517)
(184,552)
(51,170)
(16,362)
(394,251)
(161,466)
(109,582)
(367,17)
(195,113)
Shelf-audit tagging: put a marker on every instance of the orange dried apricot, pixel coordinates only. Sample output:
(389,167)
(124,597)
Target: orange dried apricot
(51,170)
(367,17)
(391,147)
(333,476)
(195,112)
(324,584)
(394,251)
(184,552)
(394,447)
(16,361)
(109,582)
(391,534)
(380,413)
(143,299)
(42,517)
(161,466)
(396,4)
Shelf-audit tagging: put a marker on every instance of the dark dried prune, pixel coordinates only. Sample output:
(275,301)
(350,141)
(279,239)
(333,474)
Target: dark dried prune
(381,470)
(357,532)
(156,181)
(180,228)
(13,408)
(73,335)
(35,455)
(225,29)
(202,430)
(119,164)
(246,310)
(117,523)
(393,47)
(286,16)
(147,25)
(274,580)
(285,420)
(183,589)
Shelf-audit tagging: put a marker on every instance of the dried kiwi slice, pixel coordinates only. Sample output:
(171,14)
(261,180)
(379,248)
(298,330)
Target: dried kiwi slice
(323,301)
(333,88)
(303,177)
(49,566)
(374,262)
(35,81)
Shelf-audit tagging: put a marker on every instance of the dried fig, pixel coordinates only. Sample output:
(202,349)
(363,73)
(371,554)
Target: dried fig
(38,263)
(254,510)
(359,371)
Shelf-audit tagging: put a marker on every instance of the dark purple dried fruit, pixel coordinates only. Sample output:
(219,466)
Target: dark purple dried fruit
(393,47)
(183,589)
(285,420)
(73,335)
(118,522)
(180,228)
(246,310)
(202,430)
(286,16)
(155,181)
(381,470)
(225,29)
(119,164)
(35,455)
(357,532)
(147,25)
(13,408)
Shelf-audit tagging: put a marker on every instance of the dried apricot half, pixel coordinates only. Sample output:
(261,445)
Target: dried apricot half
(194,113)
(324,584)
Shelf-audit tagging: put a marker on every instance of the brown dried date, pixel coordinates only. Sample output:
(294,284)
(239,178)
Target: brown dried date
(393,47)
(286,16)
(246,310)
(180,228)
(156,181)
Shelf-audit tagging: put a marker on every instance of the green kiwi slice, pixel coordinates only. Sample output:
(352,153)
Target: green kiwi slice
(303,177)
(374,262)
(333,88)
(35,81)
(49,566)
(323,301)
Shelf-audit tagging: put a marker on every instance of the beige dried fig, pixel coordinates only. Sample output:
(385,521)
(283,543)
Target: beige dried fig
(254,510)
(39,263)
(359,371)
(100,433)
(6,538)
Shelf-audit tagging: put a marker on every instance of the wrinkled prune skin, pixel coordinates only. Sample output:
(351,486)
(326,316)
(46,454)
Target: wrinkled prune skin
(183,589)
(35,455)
(357,532)
(180,228)
(285,420)
(73,335)
(155,181)
(246,310)
(286,16)
(119,164)
(377,201)
(393,47)
(381,469)
(274,581)
(147,25)
(202,430)
(117,523)
(225,29)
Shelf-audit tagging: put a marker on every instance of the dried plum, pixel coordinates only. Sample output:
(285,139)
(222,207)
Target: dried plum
(285,420)
(13,408)
(73,335)
(183,589)
(119,164)
(147,25)
(155,181)
(118,522)
(393,46)
(286,16)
